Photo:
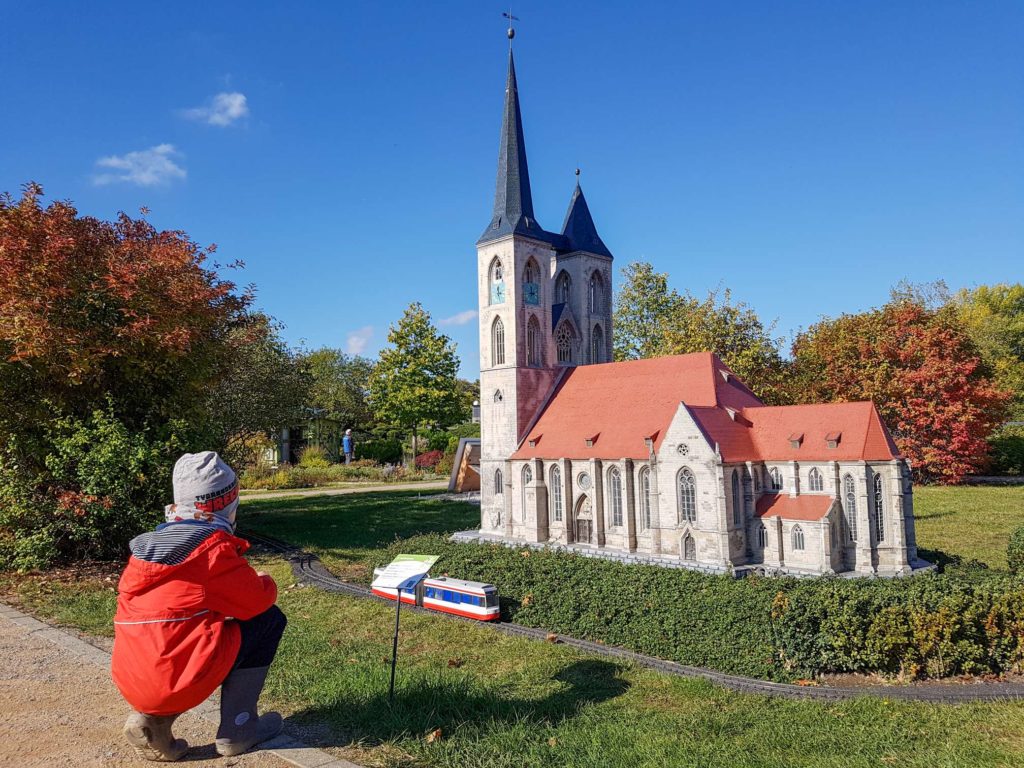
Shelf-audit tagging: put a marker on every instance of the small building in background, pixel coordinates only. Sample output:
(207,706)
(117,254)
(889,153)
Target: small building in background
(465,475)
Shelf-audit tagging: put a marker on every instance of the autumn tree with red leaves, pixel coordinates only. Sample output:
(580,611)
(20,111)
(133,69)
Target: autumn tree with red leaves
(92,309)
(112,335)
(923,372)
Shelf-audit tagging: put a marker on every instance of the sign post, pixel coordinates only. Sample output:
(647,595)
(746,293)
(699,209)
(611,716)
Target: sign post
(404,572)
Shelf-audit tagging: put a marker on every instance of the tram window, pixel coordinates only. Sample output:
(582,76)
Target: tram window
(492,600)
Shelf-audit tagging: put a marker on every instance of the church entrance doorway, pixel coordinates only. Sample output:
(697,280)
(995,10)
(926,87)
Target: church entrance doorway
(583,531)
(584,522)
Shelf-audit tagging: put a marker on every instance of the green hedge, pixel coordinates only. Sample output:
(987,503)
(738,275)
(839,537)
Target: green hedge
(1015,551)
(779,629)
(381,451)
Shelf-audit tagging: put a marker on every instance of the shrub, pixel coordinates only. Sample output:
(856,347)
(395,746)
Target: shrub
(428,460)
(436,441)
(105,484)
(1008,451)
(932,625)
(1015,552)
(380,451)
(445,465)
(310,477)
(313,457)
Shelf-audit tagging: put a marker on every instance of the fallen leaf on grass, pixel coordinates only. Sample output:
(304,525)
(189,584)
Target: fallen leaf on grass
(552,742)
(527,599)
(455,663)
(551,637)
(434,735)
(807,683)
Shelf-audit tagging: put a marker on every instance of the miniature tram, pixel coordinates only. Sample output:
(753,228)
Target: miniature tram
(469,599)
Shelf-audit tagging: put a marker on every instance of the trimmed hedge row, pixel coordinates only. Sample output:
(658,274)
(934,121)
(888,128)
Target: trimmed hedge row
(779,629)
(1015,551)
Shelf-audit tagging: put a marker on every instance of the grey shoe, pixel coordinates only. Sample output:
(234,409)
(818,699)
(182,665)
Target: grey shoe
(241,728)
(152,738)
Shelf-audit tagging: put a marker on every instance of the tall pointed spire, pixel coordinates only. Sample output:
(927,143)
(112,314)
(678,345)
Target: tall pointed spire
(513,202)
(579,228)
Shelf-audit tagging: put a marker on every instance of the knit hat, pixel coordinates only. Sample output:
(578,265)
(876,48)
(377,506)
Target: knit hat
(205,488)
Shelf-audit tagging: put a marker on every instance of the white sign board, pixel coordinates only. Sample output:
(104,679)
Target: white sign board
(404,572)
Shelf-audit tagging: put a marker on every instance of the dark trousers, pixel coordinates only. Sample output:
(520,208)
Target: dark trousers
(260,637)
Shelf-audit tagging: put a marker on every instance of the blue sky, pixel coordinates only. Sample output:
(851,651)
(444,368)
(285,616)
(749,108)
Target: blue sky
(806,155)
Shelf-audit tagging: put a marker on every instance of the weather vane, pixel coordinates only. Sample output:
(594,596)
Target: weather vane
(511,24)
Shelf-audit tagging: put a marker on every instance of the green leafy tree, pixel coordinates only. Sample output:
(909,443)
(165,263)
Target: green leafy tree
(339,386)
(262,388)
(652,320)
(415,382)
(643,306)
(993,316)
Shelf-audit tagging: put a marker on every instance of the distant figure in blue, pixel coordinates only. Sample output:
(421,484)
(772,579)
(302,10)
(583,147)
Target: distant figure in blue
(348,446)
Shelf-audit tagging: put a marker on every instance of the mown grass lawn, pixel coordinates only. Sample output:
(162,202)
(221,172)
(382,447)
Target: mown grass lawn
(969,522)
(503,701)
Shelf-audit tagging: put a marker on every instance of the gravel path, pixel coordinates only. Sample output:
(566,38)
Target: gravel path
(58,707)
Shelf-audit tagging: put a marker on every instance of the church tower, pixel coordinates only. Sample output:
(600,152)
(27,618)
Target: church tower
(545,306)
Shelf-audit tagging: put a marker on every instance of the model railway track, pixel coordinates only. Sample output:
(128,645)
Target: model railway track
(308,569)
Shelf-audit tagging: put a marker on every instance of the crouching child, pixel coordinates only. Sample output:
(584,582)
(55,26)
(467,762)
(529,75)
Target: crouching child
(192,615)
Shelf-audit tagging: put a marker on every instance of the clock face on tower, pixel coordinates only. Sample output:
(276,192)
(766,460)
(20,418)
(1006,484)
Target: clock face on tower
(497,293)
(531,292)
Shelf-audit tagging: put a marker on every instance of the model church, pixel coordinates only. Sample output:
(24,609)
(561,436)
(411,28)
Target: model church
(671,460)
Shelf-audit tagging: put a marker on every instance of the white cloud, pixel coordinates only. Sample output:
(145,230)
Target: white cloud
(462,318)
(356,342)
(147,167)
(223,109)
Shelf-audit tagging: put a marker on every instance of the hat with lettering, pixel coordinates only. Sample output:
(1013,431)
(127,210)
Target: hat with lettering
(205,488)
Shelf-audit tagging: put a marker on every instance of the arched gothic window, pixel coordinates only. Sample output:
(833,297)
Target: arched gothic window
(597,353)
(556,493)
(531,272)
(776,478)
(527,479)
(497,282)
(563,288)
(645,498)
(499,483)
(564,340)
(757,480)
(498,397)
(748,494)
(737,509)
(533,342)
(498,342)
(798,538)
(850,505)
(814,480)
(615,495)
(596,293)
(687,496)
(689,548)
(879,509)
(762,536)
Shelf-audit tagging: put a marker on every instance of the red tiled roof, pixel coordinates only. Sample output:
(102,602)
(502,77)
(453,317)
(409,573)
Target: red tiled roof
(606,411)
(804,507)
(623,403)
(763,433)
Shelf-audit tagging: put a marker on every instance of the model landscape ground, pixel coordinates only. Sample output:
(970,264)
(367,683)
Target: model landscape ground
(498,700)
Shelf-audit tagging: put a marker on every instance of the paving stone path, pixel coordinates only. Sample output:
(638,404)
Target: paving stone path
(59,708)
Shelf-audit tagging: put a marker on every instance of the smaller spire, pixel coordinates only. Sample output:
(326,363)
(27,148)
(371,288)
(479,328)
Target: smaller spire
(579,228)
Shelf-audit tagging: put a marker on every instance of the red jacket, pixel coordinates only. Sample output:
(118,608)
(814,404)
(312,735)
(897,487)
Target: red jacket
(173,640)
